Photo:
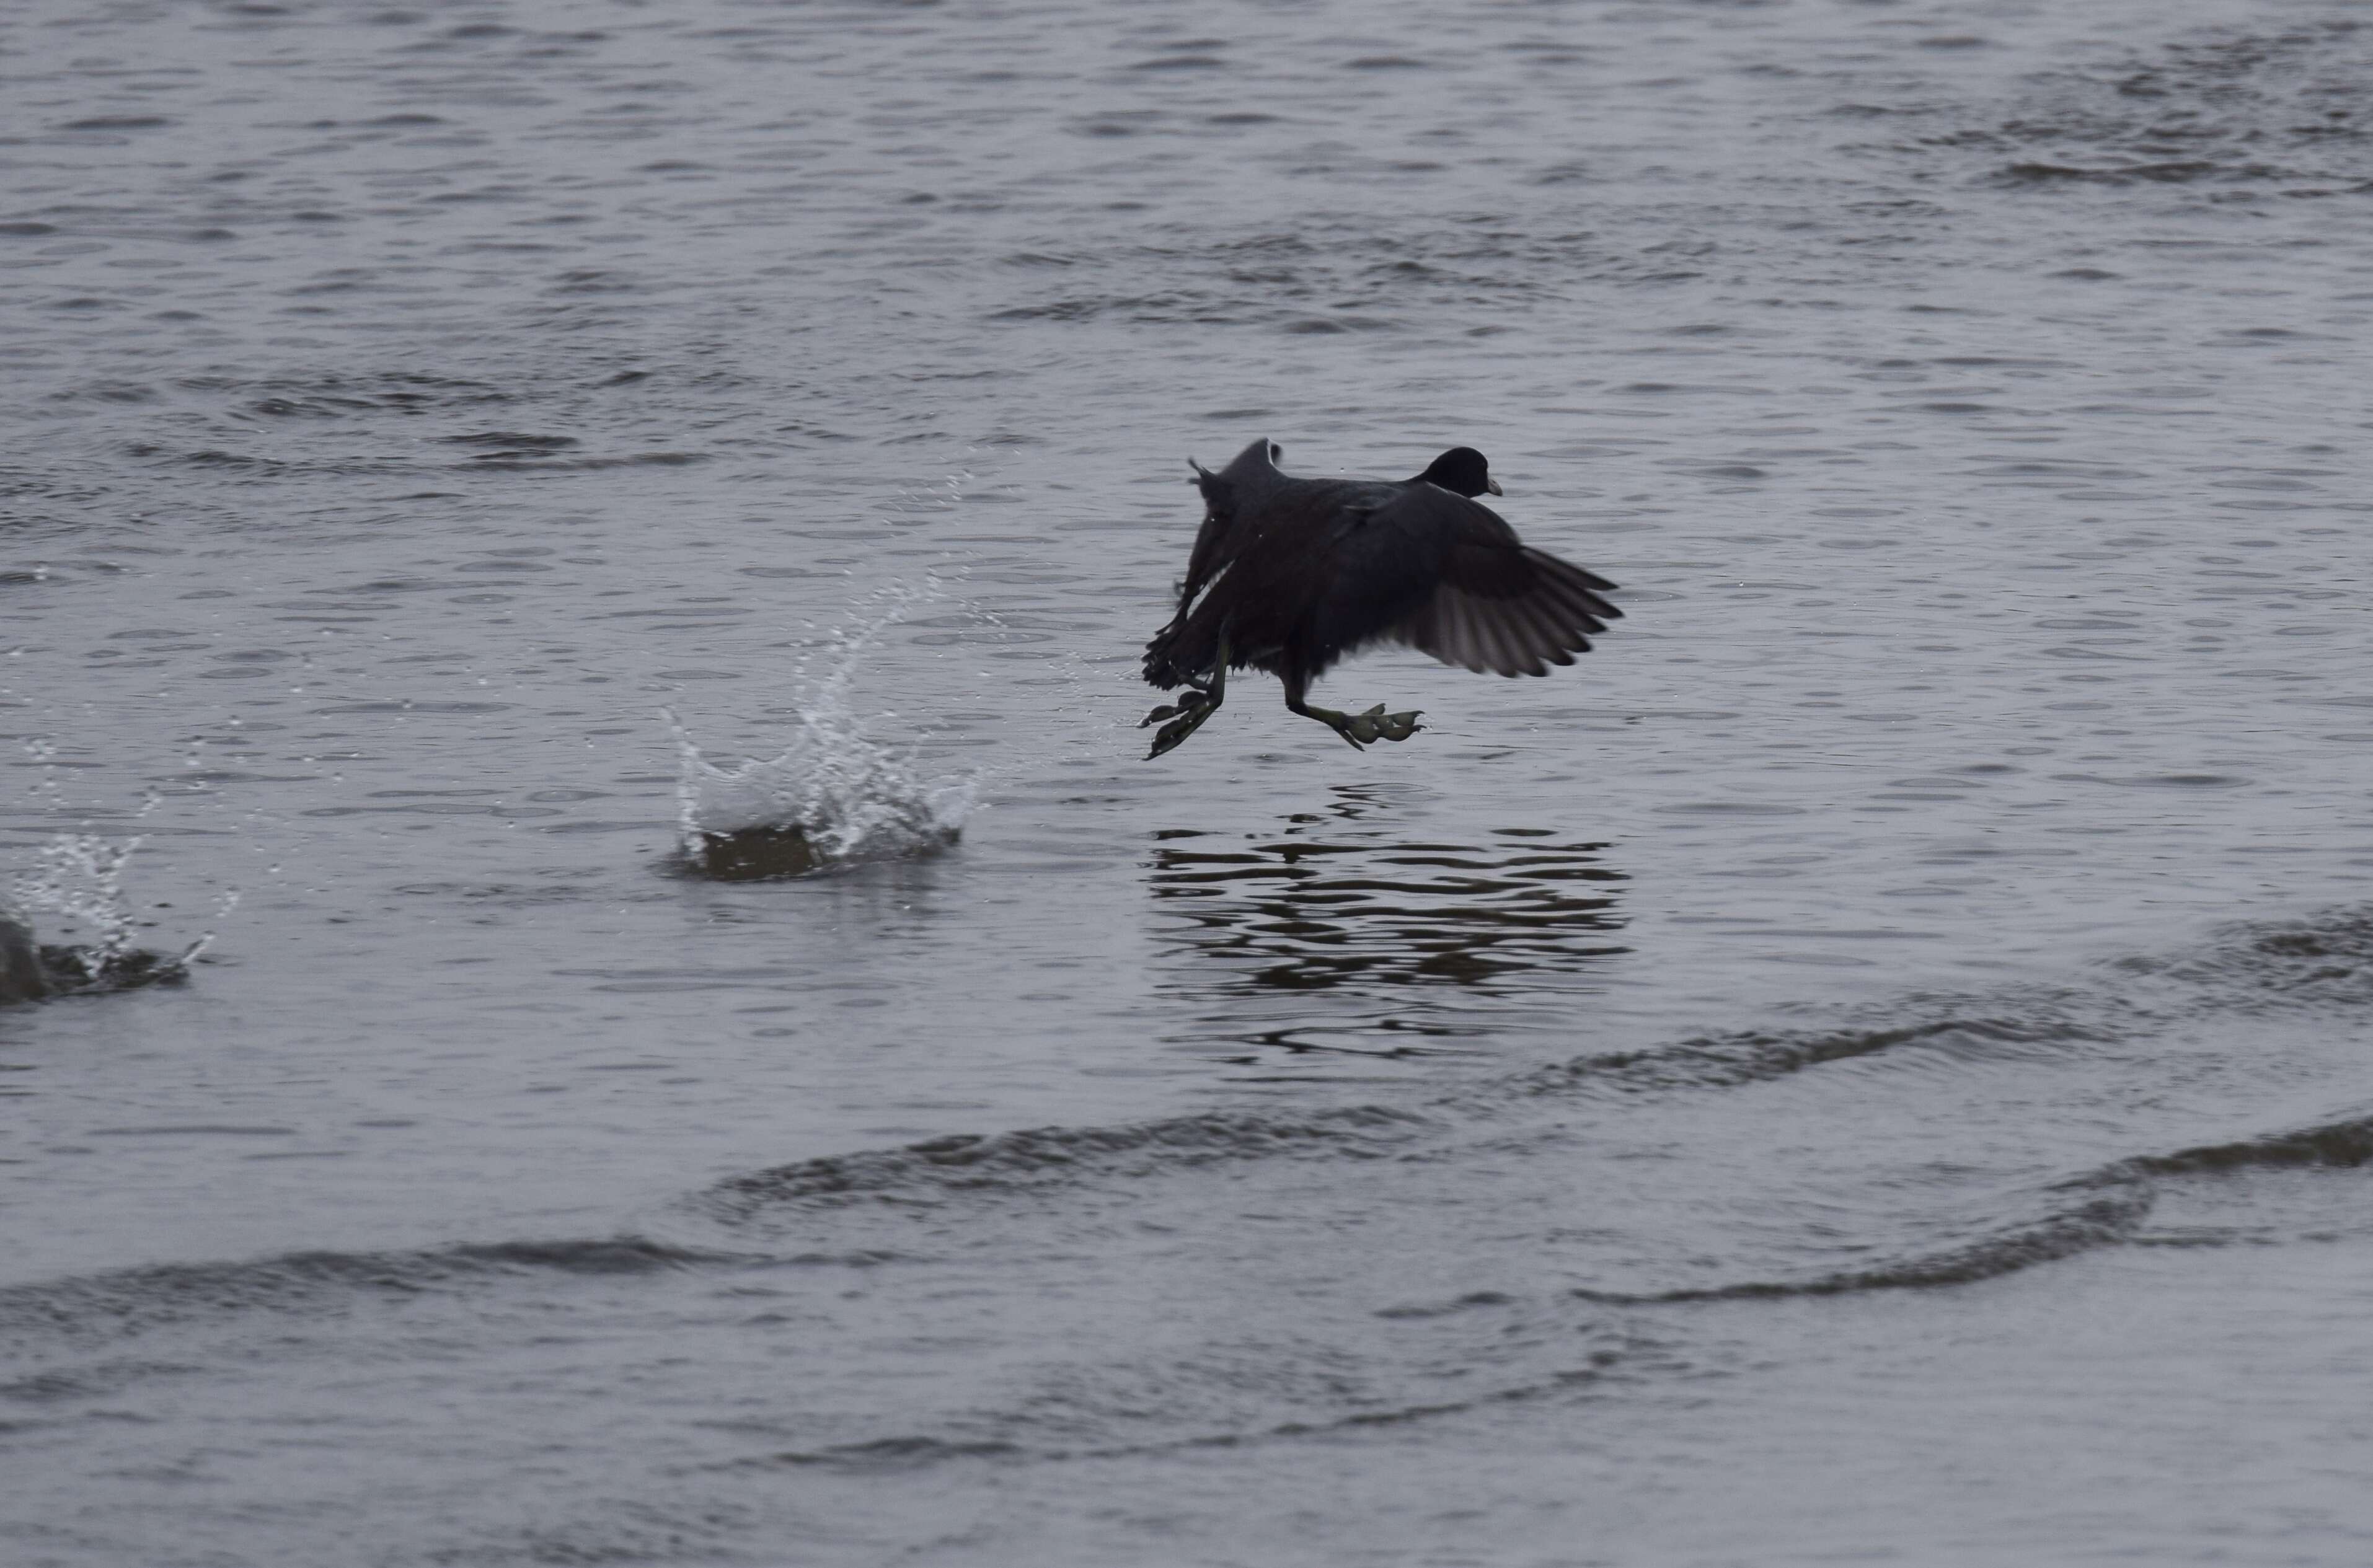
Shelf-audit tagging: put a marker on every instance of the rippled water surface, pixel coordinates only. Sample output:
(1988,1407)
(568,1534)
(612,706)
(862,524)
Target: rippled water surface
(1869,1065)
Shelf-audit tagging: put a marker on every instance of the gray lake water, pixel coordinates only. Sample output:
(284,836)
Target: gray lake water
(1873,1064)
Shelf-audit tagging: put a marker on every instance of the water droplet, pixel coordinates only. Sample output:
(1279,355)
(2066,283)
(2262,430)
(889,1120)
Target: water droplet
(841,791)
(80,877)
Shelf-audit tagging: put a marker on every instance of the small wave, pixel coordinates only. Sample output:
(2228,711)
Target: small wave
(2171,171)
(2324,960)
(2337,1146)
(928,1173)
(541,462)
(135,1301)
(1748,1056)
(915,1451)
(892,1454)
(2100,1208)
(2220,108)
(2321,962)
(833,796)
(2029,1022)
(2101,1220)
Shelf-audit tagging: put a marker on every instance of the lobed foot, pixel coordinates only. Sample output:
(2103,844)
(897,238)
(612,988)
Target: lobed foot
(1188,713)
(1363,730)
(1186,717)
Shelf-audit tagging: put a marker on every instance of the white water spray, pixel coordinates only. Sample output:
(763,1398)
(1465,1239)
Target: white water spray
(835,793)
(79,876)
(78,880)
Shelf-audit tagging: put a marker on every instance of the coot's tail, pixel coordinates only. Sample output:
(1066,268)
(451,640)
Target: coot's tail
(1183,652)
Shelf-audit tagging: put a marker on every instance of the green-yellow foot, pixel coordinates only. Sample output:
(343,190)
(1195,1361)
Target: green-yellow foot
(1362,730)
(1188,713)
(1185,717)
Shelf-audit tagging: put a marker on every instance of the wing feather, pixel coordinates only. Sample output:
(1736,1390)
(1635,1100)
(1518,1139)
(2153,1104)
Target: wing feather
(1517,636)
(1420,565)
(1502,606)
(1465,643)
(1488,628)
(1544,642)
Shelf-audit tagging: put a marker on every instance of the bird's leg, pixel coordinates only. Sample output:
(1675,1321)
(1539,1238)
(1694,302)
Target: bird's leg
(1186,715)
(1358,730)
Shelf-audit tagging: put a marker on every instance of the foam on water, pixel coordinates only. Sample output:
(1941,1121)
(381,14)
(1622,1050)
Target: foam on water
(834,793)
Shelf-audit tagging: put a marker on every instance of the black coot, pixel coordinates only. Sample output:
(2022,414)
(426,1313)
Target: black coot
(1290,574)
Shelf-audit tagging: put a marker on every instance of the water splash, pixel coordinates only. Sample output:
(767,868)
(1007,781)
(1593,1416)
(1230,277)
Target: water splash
(78,878)
(77,882)
(832,796)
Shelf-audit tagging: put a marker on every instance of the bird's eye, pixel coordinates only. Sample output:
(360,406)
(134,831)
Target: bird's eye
(1275,451)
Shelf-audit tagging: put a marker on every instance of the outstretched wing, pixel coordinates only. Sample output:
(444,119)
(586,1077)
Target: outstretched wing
(1502,605)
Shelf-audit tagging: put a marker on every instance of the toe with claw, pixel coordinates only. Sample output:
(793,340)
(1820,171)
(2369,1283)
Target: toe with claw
(1377,725)
(1186,715)
(1185,718)
(1363,730)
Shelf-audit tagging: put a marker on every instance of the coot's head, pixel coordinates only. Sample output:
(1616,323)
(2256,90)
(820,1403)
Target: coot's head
(1462,471)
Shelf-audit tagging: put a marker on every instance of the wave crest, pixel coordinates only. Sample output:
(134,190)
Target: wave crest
(939,1169)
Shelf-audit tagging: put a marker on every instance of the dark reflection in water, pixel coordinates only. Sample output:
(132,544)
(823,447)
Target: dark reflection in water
(754,855)
(1393,929)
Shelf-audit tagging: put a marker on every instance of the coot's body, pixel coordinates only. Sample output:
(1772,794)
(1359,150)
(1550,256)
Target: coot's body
(1290,575)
